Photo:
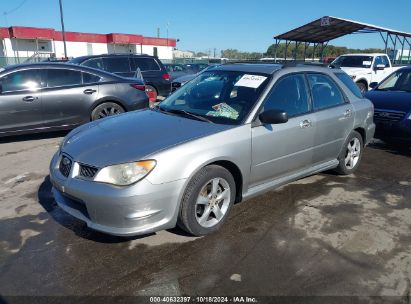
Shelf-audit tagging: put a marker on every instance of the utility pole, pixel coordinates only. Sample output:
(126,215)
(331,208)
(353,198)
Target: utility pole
(158,32)
(62,29)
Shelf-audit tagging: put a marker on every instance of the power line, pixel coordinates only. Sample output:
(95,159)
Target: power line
(16,8)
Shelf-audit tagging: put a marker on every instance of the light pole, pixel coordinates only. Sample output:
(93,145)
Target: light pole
(62,29)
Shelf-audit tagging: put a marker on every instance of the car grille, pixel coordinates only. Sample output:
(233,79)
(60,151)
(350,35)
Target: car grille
(87,171)
(65,166)
(388,115)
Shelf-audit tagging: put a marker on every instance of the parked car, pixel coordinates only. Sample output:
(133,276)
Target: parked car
(177,70)
(155,75)
(232,133)
(182,80)
(392,103)
(365,68)
(49,96)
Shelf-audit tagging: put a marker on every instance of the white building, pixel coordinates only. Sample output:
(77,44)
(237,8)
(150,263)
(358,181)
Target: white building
(26,42)
(183,54)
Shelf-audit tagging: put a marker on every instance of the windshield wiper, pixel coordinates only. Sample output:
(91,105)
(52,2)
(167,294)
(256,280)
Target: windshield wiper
(179,111)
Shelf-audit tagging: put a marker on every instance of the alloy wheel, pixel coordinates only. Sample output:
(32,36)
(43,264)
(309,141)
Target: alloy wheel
(213,202)
(108,111)
(353,153)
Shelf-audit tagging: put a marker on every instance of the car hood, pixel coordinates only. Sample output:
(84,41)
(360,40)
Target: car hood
(390,100)
(355,71)
(133,136)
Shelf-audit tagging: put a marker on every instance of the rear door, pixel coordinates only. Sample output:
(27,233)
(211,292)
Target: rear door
(281,149)
(20,101)
(333,114)
(68,96)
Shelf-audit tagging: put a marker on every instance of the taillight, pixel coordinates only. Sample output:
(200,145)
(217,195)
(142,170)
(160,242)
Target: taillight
(140,87)
(166,76)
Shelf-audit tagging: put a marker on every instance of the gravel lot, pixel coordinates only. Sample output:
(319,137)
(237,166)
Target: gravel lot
(323,235)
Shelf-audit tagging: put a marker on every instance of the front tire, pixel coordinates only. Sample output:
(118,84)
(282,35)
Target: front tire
(106,109)
(351,155)
(207,201)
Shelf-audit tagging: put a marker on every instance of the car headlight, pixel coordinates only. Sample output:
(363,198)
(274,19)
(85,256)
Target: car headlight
(409,116)
(125,174)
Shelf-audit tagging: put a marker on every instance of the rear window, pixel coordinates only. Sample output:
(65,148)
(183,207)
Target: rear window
(96,63)
(117,64)
(145,64)
(349,83)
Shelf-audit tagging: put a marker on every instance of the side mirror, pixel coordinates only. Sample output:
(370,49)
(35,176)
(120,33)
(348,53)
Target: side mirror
(373,85)
(380,67)
(273,117)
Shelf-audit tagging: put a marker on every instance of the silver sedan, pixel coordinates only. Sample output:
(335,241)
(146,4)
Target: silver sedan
(233,132)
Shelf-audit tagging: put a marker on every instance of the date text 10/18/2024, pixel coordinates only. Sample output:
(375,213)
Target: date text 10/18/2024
(198,299)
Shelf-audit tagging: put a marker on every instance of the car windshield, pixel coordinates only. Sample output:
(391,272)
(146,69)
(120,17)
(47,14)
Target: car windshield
(224,97)
(353,61)
(398,81)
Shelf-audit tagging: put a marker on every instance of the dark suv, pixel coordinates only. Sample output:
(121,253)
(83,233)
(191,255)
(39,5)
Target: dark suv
(155,75)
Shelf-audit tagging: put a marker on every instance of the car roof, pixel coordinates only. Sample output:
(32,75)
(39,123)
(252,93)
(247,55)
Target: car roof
(271,68)
(249,67)
(82,58)
(59,65)
(364,54)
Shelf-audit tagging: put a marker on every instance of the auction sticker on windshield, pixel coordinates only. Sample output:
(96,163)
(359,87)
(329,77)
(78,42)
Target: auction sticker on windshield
(366,63)
(250,81)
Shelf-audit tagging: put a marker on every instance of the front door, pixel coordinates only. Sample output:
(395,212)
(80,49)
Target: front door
(378,75)
(20,101)
(281,149)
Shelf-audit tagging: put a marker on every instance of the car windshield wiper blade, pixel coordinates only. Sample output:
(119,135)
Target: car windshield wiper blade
(179,111)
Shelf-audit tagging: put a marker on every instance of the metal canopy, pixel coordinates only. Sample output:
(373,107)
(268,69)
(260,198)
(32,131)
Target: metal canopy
(328,28)
(321,31)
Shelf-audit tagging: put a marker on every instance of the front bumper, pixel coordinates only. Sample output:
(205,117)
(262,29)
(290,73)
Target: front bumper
(124,211)
(395,131)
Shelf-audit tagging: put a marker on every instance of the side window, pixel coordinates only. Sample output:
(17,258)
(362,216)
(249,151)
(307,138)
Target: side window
(145,64)
(96,63)
(325,92)
(378,60)
(60,77)
(117,64)
(290,95)
(349,83)
(385,61)
(21,80)
(90,78)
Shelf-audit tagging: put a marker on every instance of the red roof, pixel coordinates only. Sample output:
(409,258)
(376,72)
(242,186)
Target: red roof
(23,32)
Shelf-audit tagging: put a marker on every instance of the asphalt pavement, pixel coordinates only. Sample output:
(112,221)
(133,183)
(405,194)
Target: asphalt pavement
(324,235)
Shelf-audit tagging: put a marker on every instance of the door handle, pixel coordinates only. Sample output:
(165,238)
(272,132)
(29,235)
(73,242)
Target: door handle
(305,124)
(89,91)
(29,98)
(347,113)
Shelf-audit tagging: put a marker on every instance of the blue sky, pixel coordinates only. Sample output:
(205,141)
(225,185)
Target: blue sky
(247,25)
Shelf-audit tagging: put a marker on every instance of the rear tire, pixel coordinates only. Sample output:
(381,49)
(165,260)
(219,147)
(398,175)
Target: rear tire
(106,109)
(207,201)
(351,155)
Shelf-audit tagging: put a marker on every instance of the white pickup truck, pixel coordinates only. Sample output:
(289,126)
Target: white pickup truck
(365,68)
